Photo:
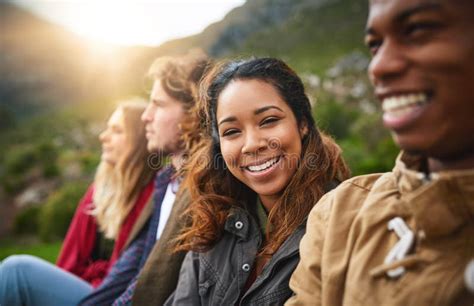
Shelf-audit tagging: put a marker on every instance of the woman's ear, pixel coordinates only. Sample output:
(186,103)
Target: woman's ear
(303,129)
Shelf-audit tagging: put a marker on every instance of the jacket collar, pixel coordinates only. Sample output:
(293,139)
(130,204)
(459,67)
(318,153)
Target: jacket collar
(441,202)
(240,223)
(251,230)
(164,176)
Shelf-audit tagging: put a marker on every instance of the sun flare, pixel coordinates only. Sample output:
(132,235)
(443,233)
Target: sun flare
(133,22)
(120,22)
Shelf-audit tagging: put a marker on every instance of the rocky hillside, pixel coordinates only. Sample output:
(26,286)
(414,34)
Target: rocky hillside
(43,64)
(311,34)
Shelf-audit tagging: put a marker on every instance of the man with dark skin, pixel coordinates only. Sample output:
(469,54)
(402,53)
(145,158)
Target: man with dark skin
(405,237)
(426,48)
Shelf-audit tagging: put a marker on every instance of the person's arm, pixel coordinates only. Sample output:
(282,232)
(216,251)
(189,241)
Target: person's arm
(187,291)
(122,273)
(126,297)
(75,254)
(306,279)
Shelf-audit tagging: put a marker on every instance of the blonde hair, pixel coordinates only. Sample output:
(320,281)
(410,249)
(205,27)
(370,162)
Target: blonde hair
(117,187)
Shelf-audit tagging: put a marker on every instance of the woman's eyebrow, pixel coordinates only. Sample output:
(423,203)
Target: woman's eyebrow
(256,112)
(228,119)
(265,108)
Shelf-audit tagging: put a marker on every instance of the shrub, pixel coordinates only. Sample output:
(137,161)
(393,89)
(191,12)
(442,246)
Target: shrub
(55,216)
(47,155)
(89,161)
(19,159)
(335,118)
(26,222)
(13,183)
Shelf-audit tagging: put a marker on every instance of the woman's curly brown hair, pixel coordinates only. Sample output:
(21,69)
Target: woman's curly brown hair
(214,190)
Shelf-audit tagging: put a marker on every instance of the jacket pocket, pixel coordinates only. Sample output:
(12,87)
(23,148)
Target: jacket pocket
(205,287)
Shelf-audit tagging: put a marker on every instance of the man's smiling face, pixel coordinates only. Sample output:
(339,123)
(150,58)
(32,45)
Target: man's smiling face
(423,73)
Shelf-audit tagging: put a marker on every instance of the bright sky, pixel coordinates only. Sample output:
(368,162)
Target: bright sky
(132,22)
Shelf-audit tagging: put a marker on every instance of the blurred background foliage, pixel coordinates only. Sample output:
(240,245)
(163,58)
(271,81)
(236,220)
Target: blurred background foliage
(56,93)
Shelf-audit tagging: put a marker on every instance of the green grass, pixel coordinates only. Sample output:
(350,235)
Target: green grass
(47,251)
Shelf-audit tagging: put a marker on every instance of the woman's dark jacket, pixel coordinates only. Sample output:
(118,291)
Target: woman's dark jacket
(218,276)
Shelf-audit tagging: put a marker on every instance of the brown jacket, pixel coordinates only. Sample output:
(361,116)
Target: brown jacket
(159,276)
(347,241)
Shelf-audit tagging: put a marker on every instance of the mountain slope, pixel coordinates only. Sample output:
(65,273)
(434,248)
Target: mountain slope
(310,34)
(44,65)
(313,38)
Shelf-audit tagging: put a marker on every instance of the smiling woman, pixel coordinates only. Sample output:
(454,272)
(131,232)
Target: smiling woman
(130,22)
(262,167)
(260,113)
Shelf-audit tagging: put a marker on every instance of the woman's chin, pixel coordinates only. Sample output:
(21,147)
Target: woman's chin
(108,160)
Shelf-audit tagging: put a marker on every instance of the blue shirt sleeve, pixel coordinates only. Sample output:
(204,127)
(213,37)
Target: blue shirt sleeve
(126,297)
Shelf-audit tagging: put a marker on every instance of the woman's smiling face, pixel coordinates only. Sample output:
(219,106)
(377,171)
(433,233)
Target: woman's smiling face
(260,139)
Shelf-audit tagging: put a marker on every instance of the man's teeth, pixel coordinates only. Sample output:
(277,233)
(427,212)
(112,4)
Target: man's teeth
(403,103)
(263,166)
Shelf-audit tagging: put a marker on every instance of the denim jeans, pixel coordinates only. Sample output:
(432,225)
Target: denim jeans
(28,280)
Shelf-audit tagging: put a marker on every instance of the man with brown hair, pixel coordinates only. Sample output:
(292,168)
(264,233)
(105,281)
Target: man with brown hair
(405,237)
(148,270)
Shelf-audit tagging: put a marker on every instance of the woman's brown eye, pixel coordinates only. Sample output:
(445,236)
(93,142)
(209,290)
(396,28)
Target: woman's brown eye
(269,120)
(230,132)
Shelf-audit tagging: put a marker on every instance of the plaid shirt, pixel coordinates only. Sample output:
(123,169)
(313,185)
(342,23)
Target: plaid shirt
(119,285)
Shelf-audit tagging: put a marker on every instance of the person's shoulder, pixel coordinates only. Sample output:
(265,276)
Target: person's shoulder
(350,194)
(362,183)
(183,194)
(87,201)
(359,185)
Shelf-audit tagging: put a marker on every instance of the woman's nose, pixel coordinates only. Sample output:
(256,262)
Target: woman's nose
(103,136)
(254,142)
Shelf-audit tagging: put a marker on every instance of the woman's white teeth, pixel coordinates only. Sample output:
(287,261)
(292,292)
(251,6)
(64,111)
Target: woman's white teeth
(263,166)
(402,103)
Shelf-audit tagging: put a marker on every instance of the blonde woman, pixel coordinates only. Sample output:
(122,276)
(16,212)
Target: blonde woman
(107,218)
(108,211)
